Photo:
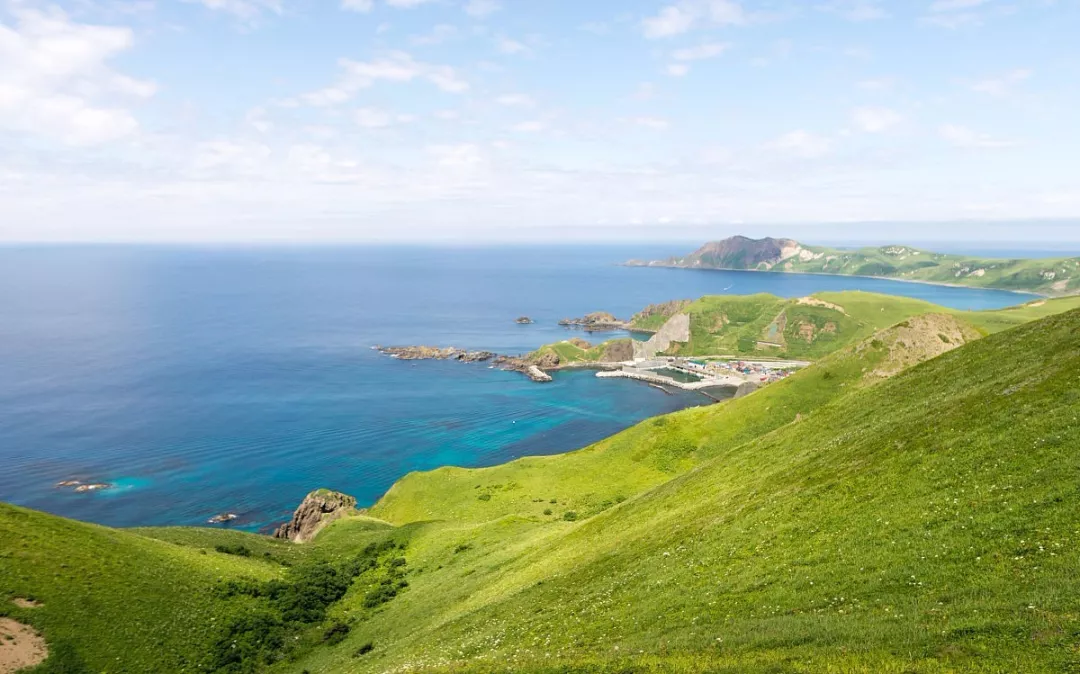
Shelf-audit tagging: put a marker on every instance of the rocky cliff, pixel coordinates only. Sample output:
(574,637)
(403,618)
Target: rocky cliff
(740,252)
(318,509)
(677,329)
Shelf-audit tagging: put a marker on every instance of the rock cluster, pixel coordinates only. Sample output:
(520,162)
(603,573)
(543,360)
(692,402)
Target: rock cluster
(524,320)
(222,518)
(511,363)
(81,488)
(595,322)
(435,353)
(318,509)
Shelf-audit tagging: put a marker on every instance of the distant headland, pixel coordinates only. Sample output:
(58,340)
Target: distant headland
(1050,276)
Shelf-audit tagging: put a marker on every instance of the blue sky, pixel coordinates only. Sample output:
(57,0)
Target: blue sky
(538,120)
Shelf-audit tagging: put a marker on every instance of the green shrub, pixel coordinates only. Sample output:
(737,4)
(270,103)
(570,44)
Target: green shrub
(364,650)
(238,550)
(484,497)
(336,633)
(547,511)
(570,516)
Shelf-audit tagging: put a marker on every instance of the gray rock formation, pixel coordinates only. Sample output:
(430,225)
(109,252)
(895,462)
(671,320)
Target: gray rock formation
(318,509)
(677,329)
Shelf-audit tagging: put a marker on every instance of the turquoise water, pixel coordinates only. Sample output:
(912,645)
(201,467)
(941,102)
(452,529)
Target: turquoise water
(199,381)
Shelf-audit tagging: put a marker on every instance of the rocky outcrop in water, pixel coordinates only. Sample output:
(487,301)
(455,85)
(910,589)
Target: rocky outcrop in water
(511,363)
(524,320)
(595,322)
(436,353)
(319,508)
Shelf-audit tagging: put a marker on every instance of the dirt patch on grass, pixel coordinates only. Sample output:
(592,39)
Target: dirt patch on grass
(22,602)
(916,340)
(20,646)
(815,302)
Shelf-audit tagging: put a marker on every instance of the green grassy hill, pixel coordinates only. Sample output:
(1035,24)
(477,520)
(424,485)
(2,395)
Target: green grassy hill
(835,521)
(1052,276)
(807,328)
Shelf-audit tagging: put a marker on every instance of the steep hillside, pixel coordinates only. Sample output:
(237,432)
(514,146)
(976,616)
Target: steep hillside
(923,524)
(1058,276)
(836,521)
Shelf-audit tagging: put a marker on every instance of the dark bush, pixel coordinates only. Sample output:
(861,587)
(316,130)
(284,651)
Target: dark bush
(238,550)
(462,547)
(364,650)
(336,633)
(397,562)
(569,516)
(484,497)
(547,511)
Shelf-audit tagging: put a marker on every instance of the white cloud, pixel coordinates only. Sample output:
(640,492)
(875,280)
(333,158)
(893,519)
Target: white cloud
(1003,84)
(229,156)
(957,13)
(530,127)
(654,123)
(956,5)
(55,81)
(678,69)
(701,52)
(362,6)
(686,15)
(482,8)
(964,137)
(437,35)
(374,118)
(407,4)
(875,120)
(245,9)
(463,155)
(399,67)
(510,46)
(516,100)
(856,10)
(801,144)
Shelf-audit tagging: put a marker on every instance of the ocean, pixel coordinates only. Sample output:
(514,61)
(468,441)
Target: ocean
(206,380)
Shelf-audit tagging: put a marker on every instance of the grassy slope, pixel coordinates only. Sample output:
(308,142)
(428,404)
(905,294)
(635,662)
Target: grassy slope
(924,524)
(772,498)
(908,263)
(115,600)
(738,324)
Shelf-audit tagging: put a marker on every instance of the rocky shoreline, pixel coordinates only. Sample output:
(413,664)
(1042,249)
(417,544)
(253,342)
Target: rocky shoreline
(509,363)
(598,321)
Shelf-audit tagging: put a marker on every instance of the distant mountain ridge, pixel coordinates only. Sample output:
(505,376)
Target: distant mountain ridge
(1056,276)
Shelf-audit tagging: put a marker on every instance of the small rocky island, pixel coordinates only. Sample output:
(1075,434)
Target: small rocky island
(510,363)
(82,488)
(222,518)
(598,321)
(524,320)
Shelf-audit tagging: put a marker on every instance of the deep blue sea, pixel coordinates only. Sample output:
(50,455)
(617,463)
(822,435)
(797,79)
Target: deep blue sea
(201,380)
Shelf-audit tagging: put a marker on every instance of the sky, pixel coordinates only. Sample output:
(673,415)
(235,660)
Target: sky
(538,120)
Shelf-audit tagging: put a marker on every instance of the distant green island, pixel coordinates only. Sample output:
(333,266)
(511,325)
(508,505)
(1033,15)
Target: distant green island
(1049,276)
(905,504)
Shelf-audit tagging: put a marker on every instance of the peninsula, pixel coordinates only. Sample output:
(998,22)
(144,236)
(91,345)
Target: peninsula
(1049,276)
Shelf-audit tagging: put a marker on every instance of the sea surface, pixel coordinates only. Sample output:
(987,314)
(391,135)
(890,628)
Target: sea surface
(207,380)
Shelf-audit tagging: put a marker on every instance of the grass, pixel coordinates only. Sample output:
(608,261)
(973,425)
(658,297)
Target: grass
(1057,276)
(830,522)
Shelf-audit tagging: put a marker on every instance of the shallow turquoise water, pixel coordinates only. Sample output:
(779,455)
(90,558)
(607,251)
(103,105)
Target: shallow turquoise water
(207,380)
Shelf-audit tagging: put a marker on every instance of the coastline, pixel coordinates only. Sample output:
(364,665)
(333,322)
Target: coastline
(942,284)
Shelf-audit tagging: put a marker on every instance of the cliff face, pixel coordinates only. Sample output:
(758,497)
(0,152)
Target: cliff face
(318,509)
(677,329)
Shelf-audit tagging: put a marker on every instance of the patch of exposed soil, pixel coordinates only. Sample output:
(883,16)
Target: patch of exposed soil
(815,302)
(20,646)
(26,603)
(917,340)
